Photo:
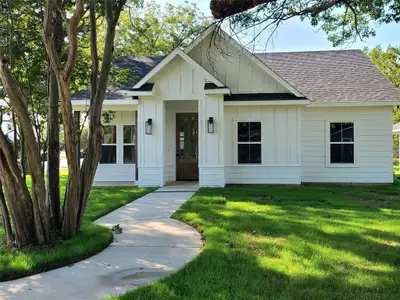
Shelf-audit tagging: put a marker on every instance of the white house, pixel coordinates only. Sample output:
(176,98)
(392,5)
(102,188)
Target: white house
(238,118)
(7,127)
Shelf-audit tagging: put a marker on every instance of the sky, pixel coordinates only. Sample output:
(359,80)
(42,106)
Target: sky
(295,35)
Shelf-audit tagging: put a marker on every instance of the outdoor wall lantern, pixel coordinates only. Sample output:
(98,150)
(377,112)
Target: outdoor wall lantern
(211,125)
(149,127)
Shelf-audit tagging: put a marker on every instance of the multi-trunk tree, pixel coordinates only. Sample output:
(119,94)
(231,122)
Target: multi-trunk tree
(31,212)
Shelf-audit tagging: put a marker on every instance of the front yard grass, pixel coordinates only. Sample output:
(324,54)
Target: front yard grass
(309,242)
(91,240)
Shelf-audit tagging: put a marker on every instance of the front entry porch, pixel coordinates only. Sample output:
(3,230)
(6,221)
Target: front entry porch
(180,149)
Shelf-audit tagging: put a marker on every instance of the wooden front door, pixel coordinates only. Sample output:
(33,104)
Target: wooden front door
(187,146)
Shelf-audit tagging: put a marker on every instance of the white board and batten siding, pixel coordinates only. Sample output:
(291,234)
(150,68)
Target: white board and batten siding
(179,80)
(280,129)
(118,172)
(234,68)
(373,145)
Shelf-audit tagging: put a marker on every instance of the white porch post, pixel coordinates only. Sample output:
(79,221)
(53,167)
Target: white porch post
(211,145)
(151,147)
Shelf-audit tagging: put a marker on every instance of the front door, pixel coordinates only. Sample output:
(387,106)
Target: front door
(187,162)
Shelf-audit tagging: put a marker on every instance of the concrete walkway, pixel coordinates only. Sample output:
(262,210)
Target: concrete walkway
(151,246)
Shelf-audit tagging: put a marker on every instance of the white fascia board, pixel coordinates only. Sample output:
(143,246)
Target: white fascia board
(268,102)
(139,93)
(223,91)
(107,102)
(355,103)
(168,59)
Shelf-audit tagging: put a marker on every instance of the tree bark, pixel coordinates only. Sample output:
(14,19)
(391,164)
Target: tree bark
(5,216)
(221,9)
(41,208)
(20,206)
(53,133)
(93,151)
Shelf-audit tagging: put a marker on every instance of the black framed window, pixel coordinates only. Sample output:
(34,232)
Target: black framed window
(342,143)
(109,146)
(249,147)
(129,132)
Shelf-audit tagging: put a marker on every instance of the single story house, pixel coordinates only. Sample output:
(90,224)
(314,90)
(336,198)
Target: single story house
(217,114)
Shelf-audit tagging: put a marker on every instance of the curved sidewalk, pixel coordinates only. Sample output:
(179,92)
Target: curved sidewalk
(151,246)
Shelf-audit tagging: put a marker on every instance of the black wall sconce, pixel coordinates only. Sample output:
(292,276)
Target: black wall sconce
(148,128)
(211,125)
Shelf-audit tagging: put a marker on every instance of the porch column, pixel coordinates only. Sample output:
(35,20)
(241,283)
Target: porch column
(151,147)
(211,145)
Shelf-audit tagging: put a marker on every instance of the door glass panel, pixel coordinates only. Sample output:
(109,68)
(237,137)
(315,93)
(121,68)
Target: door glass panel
(188,137)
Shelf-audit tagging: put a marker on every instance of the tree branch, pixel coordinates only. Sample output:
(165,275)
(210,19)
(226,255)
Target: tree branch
(73,38)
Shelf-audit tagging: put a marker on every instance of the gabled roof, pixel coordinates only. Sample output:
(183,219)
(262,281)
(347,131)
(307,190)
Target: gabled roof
(332,76)
(342,76)
(240,48)
(168,59)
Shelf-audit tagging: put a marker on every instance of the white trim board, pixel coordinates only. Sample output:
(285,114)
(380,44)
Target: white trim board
(347,104)
(107,102)
(168,59)
(267,103)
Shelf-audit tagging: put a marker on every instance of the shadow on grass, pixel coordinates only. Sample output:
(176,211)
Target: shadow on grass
(91,240)
(315,242)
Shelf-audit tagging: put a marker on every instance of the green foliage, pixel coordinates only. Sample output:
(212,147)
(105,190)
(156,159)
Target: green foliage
(91,240)
(310,242)
(151,30)
(388,62)
(343,21)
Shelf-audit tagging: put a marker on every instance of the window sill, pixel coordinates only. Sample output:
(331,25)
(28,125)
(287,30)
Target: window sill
(341,165)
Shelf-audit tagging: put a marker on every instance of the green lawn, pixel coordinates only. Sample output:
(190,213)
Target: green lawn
(312,242)
(396,169)
(91,240)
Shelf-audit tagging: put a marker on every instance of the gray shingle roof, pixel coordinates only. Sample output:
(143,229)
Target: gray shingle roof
(321,76)
(140,66)
(331,76)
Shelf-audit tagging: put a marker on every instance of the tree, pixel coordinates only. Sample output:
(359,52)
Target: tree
(388,62)
(152,30)
(342,20)
(29,211)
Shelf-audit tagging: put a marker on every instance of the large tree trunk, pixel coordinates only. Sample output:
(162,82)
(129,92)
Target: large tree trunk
(53,134)
(71,200)
(5,216)
(41,208)
(19,204)
(221,9)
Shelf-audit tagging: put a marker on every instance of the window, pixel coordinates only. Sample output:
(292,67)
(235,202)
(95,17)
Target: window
(341,143)
(249,142)
(109,147)
(9,127)
(129,144)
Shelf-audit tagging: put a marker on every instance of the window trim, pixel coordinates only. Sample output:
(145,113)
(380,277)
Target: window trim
(114,144)
(128,144)
(236,143)
(328,144)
